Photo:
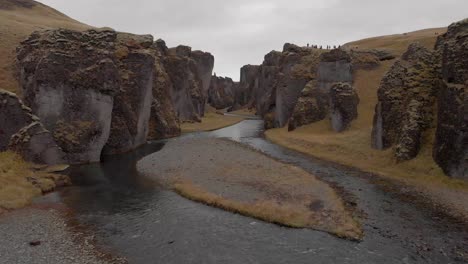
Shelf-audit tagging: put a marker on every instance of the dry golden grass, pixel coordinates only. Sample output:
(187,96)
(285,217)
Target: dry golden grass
(15,190)
(19,184)
(296,215)
(399,42)
(16,25)
(213,120)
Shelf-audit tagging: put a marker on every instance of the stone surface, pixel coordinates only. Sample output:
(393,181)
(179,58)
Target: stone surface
(222,91)
(132,103)
(22,132)
(188,72)
(163,122)
(312,106)
(35,144)
(343,105)
(69,79)
(451,143)
(331,69)
(406,98)
(247,85)
(14,115)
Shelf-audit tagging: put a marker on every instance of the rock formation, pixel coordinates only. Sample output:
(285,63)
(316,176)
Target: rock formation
(132,102)
(406,98)
(22,132)
(222,91)
(163,121)
(343,105)
(69,79)
(189,92)
(247,84)
(451,143)
(331,87)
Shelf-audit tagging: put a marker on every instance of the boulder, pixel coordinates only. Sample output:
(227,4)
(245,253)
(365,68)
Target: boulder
(69,79)
(132,102)
(451,141)
(406,98)
(343,105)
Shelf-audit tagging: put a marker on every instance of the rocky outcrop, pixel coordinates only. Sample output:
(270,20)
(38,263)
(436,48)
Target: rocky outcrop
(330,93)
(204,63)
(247,85)
(312,106)
(451,143)
(222,91)
(280,80)
(36,144)
(69,79)
(406,98)
(163,122)
(188,94)
(132,103)
(343,105)
(22,132)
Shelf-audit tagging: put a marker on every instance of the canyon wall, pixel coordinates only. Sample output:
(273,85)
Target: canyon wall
(426,91)
(222,92)
(104,92)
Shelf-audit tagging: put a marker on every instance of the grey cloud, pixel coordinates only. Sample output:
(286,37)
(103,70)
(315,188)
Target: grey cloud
(241,32)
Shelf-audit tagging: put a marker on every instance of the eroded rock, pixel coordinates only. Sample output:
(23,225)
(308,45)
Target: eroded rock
(69,79)
(222,91)
(451,143)
(132,103)
(405,107)
(343,105)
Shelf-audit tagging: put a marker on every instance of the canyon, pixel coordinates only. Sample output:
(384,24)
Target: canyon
(310,138)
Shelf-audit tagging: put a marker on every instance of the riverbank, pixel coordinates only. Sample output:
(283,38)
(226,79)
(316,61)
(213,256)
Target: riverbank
(20,182)
(422,175)
(230,176)
(33,235)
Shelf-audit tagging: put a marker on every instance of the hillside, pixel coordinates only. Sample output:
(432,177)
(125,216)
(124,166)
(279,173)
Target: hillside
(353,147)
(399,42)
(18,19)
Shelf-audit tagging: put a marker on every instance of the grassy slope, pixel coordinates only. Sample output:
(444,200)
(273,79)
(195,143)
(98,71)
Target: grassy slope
(353,146)
(16,23)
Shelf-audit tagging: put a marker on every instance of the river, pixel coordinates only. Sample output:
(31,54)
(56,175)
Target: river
(134,217)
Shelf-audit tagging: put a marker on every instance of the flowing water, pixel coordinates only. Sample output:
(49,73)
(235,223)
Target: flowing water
(136,218)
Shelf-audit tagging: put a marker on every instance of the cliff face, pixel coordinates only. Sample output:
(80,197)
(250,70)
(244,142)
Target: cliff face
(188,71)
(451,144)
(22,132)
(69,79)
(406,103)
(164,122)
(248,83)
(222,92)
(330,94)
(132,102)
(103,92)
(418,84)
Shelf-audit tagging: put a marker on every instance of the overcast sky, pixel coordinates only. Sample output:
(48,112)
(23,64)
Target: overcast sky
(243,31)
